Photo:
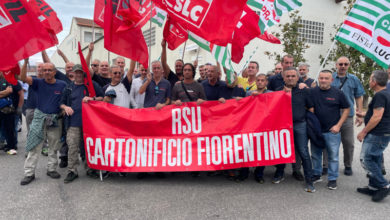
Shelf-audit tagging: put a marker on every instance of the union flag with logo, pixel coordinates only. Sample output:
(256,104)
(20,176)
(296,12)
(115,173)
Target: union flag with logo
(21,33)
(367,29)
(213,20)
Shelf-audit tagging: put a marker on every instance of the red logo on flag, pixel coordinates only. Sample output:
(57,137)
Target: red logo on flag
(4,20)
(192,12)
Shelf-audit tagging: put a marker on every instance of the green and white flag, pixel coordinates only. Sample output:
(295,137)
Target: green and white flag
(367,29)
(204,44)
(272,10)
(221,54)
(160,17)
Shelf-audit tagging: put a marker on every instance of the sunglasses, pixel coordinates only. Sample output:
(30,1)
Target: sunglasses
(94,65)
(156,90)
(343,64)
(116,73)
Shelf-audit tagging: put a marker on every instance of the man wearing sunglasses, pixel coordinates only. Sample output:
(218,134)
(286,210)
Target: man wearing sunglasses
(352,88)
(120,86)
(157,89)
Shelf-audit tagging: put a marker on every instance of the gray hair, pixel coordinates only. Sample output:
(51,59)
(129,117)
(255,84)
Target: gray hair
(304,64)
(159,62)
(380,77)
(113,66)
(291,68)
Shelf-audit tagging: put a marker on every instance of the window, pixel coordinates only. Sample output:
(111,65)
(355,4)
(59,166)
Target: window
(311,31)
(98,35)
(87,37)
(150,36)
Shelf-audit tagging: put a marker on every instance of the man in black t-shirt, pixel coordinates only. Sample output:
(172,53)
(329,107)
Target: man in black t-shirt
(332,109)
(376,136)
(168,73)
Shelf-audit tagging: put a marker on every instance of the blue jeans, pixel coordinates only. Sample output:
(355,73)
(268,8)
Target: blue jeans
(332,146)
(301,146)
(374,147)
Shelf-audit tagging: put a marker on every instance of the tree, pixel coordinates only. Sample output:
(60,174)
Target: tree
(290,36)
(361,65)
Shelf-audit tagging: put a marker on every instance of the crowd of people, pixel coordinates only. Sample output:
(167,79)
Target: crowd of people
(51,103)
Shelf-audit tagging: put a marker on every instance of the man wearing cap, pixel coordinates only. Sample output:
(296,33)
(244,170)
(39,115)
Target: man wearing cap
(74,94)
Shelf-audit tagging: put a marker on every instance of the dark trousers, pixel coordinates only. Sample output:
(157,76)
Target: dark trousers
(8,126)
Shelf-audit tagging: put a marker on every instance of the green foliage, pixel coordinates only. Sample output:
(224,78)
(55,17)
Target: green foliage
(289,37)
(361,65)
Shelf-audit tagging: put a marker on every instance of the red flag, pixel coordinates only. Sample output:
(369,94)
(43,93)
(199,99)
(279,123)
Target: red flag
(128,42)
(213,20)
(174,34)
(98,15)
(270,38)
(87,80)
(9,74)
(247,29)
(47,15)
(21,33)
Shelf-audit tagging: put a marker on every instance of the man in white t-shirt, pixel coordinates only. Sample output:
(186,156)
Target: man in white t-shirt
(118,91)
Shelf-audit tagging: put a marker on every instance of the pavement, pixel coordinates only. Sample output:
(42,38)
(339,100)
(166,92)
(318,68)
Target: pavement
(180,196)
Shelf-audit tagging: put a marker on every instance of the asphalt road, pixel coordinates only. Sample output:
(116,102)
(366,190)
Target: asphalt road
(180,196)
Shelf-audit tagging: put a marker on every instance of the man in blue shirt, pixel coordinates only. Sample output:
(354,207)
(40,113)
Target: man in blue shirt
(157,89)
(46,121)
(353,90)
(213,83)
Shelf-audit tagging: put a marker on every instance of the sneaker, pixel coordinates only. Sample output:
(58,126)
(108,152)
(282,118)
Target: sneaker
(324,171)
(92,174)
(53,174)
(106,174)
(348,171)
(366,191)
(27,179)
(259,179)
(63,162)
(277,179)
(45,151)
(316,179)
(298,175)
(70,177)
(380,194)
(332,184)
(12,152)
(310,188)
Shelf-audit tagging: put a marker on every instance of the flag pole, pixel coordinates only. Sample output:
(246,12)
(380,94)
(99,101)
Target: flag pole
(326,58)
(250,57)
(184,50)
(93,37)
(150,40)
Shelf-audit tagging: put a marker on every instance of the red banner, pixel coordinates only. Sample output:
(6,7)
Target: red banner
(255,131)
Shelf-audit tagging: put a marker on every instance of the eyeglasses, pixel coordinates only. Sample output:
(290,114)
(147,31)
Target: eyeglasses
(116,73)
(156,90)
(48,70)
(94,65)
(345,64)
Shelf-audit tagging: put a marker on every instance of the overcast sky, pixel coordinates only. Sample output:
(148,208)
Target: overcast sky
(66,9)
